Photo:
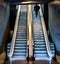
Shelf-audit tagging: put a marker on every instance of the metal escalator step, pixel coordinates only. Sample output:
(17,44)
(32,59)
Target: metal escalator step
(51,45)
(8,48)
(39,46)
(52,49)
(22,25)
(22,42)
(42,58)
(15,55)
(38,32)
(8,44)
(21,28)
(21,48)
(19,57)
(21,36)
(37,28)
(40,52)
(19,54)
(21,39)
(20,45)
(39,40)
(40,35)
(39,43)
(8,51)
(53,53)
(20,51)
(40,55)
(39,49)
(21,32)
(39,25)
(18,34)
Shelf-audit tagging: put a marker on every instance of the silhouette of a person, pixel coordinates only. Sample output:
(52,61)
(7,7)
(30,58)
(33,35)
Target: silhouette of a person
(36,9)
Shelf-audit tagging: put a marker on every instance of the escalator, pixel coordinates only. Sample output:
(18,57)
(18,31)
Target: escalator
(20,45)
(40,49)
(21,36)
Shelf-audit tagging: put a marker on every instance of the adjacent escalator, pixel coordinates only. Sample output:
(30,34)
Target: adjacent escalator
(40,49)
(20,45)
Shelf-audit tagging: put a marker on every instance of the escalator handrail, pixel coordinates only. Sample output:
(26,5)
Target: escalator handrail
(15,31)
(45,33)
(27,46)
(30,36)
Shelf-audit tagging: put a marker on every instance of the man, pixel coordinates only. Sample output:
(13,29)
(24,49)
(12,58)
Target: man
(36,9)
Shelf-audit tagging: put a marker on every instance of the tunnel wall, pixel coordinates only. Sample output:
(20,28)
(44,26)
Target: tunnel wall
(54,24)
(4,26)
